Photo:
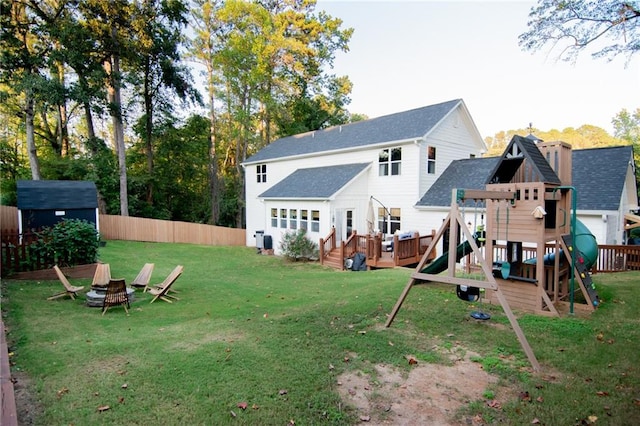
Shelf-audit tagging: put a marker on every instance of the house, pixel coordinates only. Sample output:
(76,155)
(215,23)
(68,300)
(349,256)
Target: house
(46,202)
(603,179)
(326,179)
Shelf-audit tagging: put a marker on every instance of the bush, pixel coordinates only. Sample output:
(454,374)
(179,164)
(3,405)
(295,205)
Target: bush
(70,242)
(296,245)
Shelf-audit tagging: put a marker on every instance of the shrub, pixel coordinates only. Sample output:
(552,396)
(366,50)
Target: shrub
(68,243)
(296,245)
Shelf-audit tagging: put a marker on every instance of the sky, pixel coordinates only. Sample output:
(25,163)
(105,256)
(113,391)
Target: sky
(409,54)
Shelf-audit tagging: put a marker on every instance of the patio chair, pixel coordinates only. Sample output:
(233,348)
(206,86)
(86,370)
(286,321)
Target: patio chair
(101,276)
(144,276)
(69,290)
(116,295)
(161,291)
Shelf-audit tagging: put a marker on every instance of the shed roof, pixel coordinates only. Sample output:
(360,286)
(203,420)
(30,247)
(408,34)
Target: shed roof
(598,188)
(56,194)
(315,183)
(415,123)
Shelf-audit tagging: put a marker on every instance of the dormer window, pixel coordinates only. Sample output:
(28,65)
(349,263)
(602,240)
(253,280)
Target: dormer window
(261,173)
(389,161)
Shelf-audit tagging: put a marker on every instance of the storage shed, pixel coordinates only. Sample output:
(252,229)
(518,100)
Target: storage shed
(47,202)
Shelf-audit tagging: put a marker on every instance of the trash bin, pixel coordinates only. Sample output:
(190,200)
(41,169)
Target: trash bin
(268,242)
(259,236)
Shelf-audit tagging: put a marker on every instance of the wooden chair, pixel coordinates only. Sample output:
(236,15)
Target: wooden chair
(101,276)
(144,276)
(70,290)
(116,295)
(161,291)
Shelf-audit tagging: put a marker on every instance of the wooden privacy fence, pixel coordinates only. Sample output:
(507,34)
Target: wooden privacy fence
(165,231)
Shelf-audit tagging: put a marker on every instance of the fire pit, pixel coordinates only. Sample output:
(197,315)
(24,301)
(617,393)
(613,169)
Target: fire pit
(101,278)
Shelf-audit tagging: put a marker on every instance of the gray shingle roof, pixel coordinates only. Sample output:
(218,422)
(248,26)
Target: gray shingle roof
(315,183)
(56,194)
(598,175)
(470,173)
(415,123)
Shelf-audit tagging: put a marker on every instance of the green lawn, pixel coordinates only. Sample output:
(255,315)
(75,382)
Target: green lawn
(258,330)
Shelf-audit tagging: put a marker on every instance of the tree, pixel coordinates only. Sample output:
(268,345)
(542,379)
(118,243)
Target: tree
(611,27)
(627,127)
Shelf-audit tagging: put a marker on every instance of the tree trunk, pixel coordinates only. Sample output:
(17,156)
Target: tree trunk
(31,143)
(214,182)
(113,69)
(148,130)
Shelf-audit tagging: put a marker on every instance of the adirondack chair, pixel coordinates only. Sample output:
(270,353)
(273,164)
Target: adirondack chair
(116,295)
(69,290)
(161,291)
(144,276)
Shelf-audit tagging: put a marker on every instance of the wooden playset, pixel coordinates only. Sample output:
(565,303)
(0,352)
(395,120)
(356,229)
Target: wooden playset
(530,208)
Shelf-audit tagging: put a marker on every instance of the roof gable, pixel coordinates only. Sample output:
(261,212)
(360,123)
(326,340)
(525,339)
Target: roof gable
(56,194)
(315,183)
(523,151)
(412,124)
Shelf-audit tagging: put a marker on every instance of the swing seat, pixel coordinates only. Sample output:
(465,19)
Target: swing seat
(468,294)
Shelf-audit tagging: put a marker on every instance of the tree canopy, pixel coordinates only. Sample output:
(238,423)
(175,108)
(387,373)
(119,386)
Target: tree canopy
(610,27)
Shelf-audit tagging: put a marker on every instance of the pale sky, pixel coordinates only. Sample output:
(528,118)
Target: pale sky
(409,54)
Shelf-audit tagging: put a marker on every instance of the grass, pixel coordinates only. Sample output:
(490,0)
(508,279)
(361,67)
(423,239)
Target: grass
(275,335)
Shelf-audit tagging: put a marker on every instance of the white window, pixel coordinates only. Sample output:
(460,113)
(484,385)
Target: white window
(304,219)
(261,173)
(431,160)
(388,220)
(283,218)
(315,221)
(274,218)
(389,161)
(293,219)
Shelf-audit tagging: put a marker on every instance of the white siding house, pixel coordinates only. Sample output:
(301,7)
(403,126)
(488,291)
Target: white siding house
(326,178)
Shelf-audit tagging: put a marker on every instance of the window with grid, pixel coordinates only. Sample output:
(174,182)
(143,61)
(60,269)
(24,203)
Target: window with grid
(389,161)
(274,218)
(261,173)
(315,220)
(388,221)
(431,160)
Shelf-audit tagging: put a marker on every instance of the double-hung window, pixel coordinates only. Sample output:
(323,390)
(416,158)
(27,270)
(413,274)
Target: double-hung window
(261,173)
(431,160)
(389,161)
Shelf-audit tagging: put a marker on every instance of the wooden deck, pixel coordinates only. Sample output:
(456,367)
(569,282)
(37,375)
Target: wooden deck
(407,251)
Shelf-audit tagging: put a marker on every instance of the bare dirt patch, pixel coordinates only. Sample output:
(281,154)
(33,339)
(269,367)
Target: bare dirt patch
(430,394)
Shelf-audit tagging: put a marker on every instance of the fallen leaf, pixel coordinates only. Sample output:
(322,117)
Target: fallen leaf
(602,393)
(593,419)
(390,343)
(535,421)
(242,405)
(611,341)
(282,392)
(636,401)
(124,386)
(524,396)
(121,399)
(494,404)
(600,336)
(365,418)
(331,367)
(411,359)
(352,392)
(62,392)
(346,359)
(362,332)
(233,414)
(103,408)
(540,399)
(255,407)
